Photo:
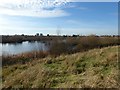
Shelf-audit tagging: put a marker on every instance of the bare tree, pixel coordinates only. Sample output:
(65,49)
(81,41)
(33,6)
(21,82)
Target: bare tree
(58,31)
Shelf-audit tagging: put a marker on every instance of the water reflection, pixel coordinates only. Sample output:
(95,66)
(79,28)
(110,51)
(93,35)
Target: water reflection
(17,48)
(0,49)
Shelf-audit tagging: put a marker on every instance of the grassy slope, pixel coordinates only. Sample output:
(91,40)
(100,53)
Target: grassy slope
(94,68)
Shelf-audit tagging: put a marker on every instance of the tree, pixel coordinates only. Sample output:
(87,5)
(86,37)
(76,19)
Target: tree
(37,34)
(48,35)
(22,35)
(58,31)
(41,34)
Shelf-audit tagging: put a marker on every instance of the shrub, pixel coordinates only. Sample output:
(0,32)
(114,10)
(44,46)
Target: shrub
(58,48)
(23,58)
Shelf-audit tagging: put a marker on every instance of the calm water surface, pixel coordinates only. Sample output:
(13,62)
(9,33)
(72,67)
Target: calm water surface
(17,48)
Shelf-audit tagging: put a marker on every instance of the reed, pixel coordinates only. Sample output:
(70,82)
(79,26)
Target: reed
(23,58)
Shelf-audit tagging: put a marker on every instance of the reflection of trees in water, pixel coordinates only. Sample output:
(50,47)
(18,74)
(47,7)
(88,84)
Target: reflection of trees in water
(4,53)
(0,38)
(23,47)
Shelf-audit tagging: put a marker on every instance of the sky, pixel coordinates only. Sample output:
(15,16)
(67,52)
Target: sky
(48,16)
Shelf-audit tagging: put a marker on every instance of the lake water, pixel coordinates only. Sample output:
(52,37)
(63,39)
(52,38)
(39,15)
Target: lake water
(17,48)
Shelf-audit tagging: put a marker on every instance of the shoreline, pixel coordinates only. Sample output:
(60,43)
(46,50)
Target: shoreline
(20,38)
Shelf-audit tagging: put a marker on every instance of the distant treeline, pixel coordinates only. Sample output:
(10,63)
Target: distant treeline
(59,45)
(79,44)
(21,38)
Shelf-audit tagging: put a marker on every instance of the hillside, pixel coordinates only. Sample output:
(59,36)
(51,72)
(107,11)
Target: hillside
(94,68)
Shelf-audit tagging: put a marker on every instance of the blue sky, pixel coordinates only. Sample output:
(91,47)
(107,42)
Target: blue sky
(82,18)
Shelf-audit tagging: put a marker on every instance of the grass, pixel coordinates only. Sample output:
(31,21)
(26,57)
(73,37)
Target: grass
(97,68)
(23,58)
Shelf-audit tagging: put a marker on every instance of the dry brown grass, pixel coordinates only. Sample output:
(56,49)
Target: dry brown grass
(96,68)
(23,58)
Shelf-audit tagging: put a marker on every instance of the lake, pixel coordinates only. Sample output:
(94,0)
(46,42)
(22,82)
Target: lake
(18,48)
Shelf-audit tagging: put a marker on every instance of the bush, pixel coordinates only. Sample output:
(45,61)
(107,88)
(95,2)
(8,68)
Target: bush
(77,44)
(22,58)
(58,48)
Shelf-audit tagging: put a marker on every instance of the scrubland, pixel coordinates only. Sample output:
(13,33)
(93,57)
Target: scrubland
(93,68)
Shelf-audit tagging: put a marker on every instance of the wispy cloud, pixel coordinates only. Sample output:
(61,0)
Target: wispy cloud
(72,5)
(33,13)
(35,8)
(82,8)
(94,0)
(72,22)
